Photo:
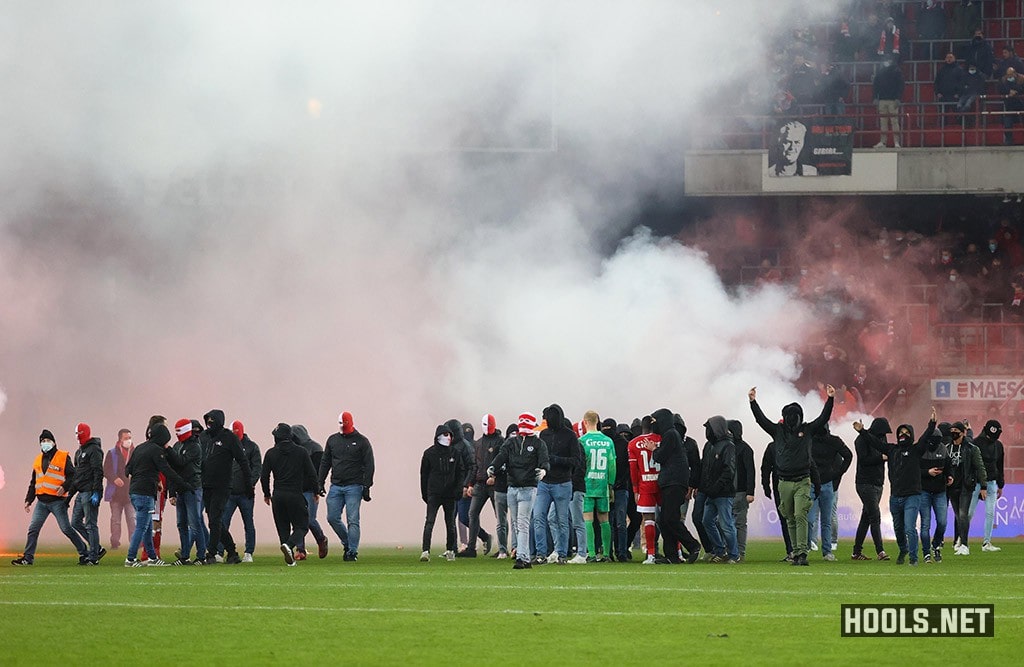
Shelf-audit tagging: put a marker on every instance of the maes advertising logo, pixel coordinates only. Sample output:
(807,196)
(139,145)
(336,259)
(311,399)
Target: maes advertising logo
(909,620)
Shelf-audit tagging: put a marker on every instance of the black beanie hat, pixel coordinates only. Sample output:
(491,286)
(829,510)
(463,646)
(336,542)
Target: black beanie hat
(282,432)
(47,435)
(959,426)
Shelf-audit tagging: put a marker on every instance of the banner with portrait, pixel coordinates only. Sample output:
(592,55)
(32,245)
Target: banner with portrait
(810,146)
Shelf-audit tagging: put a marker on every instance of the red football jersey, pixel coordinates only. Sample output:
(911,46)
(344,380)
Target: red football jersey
(643,471)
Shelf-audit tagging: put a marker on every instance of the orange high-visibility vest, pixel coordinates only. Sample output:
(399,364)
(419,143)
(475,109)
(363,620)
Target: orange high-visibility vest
(49,482)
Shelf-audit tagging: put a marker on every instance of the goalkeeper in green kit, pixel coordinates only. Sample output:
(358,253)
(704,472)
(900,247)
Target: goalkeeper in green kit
(599,451)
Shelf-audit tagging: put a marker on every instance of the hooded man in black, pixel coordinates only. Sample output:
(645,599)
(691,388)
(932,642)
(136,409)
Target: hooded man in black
(243,497)
(565,454)
(620,490)
(795,465)
(223,449)
(992,455)
(88,484)
(904,463)
(935,477)
(442,474)
(718,484)
(969,475)
(692,450)
(673,483)
(832,458)
(745,480)
(484,451)
(293,471)
(188,500)
(148,461)
(869,483)
(300,436)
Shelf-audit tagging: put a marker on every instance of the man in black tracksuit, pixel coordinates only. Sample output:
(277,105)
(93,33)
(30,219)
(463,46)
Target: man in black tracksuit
(300,436)
(992,455)
(621,489)
(484,451)
(564,453)
(904,463)
(832,458)
(968,472)
(673,482)
(348,457)
(292,470)
(869,482)
(745,479)
(936,475)
(795,465)
(718,484)
(442,474)
(87,482)
(770,486)
(223,449)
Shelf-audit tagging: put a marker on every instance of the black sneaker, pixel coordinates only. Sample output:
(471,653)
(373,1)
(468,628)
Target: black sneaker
(539,560)
(21,561)
(199,561)
(100,555)
(210,560)
(488,544)
(350,556)
(466,553)
(84,560)
(938,554)
(233,558)
(902,558)
(521,565)
(692,557)
(714,559)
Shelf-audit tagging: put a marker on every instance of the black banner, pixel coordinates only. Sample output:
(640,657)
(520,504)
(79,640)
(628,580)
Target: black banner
(811,147)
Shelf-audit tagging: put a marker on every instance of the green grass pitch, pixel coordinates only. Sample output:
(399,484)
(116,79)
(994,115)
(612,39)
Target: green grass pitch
(388,608)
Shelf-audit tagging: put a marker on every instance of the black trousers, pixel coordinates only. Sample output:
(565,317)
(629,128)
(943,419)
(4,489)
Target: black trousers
(960,498)
(214,501)
(481,494)
(870,517)
(782,521)
(673,530)
(448,505)
(291,516)
(699,500)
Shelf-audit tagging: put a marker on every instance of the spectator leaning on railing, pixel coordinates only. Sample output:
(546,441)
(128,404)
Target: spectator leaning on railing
(1012,87)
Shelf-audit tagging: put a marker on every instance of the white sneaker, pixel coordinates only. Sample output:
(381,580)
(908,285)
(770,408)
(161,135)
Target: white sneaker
(552,558)
(988,546)
(247,558)
(449,555)
(578,559)
(897,145)
(425,557)
(156,562)
(880,144)
(829,557)
(649,560)
(218,558)
(814,546)
(502,555)
(835,545)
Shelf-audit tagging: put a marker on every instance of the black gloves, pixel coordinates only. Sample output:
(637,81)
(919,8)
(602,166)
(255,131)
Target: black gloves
(817,490)
(366,493)
(767,491)
(321,492)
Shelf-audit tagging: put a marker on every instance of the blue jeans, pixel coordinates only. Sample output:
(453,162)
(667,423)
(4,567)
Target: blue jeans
(83,520)
(578,527)
(928,503)
(992,491)
(245,507)
(190,522)
(520,506)
(346,497)
(144,506)
(620,534)
(821,507)
(904,510)
(313,506)
(560,495)
(59,510)
(720,526)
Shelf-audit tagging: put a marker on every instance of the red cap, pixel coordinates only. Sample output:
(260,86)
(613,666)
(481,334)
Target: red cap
(84,432)
(238,429)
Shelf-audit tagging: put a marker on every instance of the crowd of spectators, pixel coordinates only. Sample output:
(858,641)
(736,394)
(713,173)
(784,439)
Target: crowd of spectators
(812,74)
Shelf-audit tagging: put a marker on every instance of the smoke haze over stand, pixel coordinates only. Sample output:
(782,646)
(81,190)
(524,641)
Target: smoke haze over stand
(178,233)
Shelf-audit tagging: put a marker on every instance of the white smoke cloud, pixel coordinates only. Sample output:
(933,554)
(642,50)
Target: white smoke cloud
(183,233)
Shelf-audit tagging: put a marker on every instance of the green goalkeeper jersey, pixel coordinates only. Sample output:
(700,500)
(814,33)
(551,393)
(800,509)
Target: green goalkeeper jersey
(599,451)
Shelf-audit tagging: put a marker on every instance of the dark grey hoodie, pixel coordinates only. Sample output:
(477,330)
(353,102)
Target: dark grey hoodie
(718,464)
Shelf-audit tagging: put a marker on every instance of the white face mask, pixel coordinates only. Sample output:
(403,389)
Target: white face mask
(127,443)
(46,445)
(952,279)
(444,440)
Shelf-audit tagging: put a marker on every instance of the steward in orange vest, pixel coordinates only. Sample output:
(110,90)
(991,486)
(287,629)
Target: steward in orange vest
(51,486)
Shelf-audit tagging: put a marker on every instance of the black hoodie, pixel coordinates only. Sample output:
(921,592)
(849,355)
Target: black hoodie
(290,464)
(831,455)
(190,452)
(691,448)
(792,438)
(223,449)
(442,468)
(460,445)
(300,436)
(670,455)
(870,464)
(252,454)
(88,475)
(564,450)
(484,451)
(611,429)
(934,456)
(718,464)
(904,459)
(147,462)
(991,451)
(746,475)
